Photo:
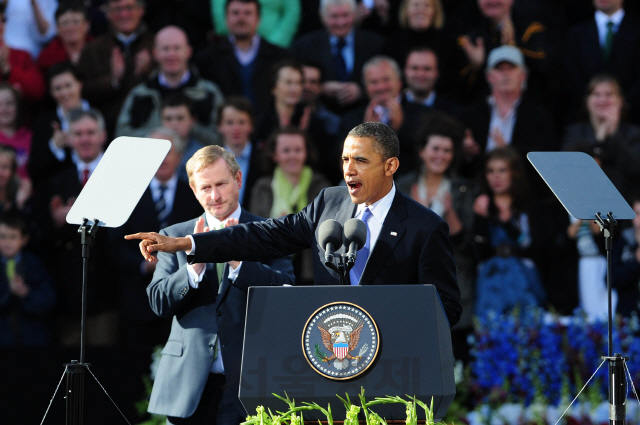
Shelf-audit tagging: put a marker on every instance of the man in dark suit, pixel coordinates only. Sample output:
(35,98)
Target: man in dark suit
(199,373)
(507,117)
(341,49)
(409,244)
(609,43)
(383,84)
(166,201)
(59,243)
(240,63)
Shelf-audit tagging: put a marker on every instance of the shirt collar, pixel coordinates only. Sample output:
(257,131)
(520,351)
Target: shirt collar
(492,102)
(348,39)
(82,165)
(429,101)
(171,183)
(246,152)
(127,39)
(162,80)
(602,18)
(381,207)
(214,223)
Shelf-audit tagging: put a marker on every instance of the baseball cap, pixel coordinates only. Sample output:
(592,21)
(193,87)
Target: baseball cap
(505,53)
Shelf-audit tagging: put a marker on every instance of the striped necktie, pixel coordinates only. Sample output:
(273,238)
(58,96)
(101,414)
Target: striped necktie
(161,206)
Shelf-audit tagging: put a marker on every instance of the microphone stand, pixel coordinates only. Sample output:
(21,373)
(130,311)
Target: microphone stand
(341,264)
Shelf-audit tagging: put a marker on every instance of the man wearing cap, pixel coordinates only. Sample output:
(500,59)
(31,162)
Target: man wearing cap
(507,117)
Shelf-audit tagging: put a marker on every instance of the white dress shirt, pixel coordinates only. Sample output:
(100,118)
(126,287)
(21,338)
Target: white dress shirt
(602,19)
(379,211)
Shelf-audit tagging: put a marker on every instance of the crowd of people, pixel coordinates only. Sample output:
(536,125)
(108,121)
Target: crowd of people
(469,86)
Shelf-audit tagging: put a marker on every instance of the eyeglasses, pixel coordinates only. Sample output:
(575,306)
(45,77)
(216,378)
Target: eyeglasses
(70,22)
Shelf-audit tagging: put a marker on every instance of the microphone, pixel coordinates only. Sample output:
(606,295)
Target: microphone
(330,238)
(355,236)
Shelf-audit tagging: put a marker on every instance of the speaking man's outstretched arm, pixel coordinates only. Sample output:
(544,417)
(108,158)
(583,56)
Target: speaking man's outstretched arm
(154,242)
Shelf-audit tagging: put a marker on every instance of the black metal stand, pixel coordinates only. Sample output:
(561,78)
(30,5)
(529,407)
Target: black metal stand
(617,378)
(75,369)
(342,266)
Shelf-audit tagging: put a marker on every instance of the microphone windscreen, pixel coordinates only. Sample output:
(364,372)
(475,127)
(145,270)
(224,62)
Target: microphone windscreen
(330,232)
(355,231)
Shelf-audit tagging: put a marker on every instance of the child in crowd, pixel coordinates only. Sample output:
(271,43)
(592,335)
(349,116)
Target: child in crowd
(26,291)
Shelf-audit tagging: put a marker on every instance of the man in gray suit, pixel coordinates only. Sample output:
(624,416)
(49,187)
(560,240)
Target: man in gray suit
(406,242)
(198,376)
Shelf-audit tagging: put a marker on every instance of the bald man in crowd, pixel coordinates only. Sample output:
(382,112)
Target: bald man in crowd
(141,110)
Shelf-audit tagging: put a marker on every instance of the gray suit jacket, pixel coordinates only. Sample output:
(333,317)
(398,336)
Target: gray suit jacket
(200,317)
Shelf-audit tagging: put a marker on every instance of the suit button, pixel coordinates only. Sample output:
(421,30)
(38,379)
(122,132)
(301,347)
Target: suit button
(211,346)
(218,313)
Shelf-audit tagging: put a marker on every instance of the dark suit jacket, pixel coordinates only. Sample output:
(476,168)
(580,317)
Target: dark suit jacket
(315,47)
(218,63)
(584,58)
(533,130)
(413,246)
(200,317)
(42,163)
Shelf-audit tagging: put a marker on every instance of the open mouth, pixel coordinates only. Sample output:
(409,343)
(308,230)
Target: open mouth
(354,186)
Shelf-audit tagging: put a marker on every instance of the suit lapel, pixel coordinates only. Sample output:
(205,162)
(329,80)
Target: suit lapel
(392,231)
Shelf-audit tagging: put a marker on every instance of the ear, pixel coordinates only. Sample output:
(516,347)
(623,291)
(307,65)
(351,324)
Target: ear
(391,166)
(239,179)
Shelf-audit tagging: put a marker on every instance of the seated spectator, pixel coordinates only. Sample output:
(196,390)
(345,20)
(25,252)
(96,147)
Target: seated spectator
(437,188)
(17,68)
(166,201)
(608,43)
(421,25)
(421,74)
(607,136)
(30,24)
(278,20)
(287,109)
(238,62)
(117,61)
(289,186)
(72,21)
(51,150)
(341,49)
(59,243)
(27,294)
(507,117)
(500,25)
(383,84)
(625,271)
(13,132)
(177,114)
(141,109)
(15,191)
(235,125)
(507,278)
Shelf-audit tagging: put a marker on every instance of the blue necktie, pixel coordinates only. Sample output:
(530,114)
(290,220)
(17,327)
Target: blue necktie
(339,62)
(356,272)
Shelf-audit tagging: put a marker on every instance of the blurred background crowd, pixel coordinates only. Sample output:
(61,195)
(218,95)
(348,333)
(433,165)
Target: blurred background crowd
(470,87)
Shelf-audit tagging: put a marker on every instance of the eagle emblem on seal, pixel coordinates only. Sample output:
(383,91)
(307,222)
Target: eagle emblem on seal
(340,335)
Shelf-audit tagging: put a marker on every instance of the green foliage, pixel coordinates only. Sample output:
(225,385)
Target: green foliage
(291,416)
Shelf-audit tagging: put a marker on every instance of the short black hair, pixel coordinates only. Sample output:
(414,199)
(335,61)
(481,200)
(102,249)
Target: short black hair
(256,2)
(71,6)
(386,142)
(15,220)
(61,68)
(316,65)
(175,99)
(240,103)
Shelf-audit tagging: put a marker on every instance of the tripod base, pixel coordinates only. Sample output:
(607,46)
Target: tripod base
(75,392)
(617,389)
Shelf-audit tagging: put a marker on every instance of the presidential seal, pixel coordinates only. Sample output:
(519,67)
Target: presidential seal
(340,340)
